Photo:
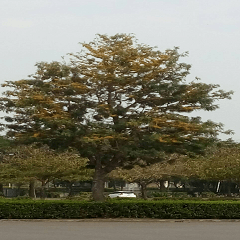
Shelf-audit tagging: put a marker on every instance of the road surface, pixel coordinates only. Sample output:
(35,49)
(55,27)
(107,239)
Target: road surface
(119,230)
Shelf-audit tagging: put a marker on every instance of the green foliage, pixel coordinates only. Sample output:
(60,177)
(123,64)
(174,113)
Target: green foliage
(27,209)
(164,195)
(221,162)
(121,199)
(208,195)
(26,163)
(117,98)
(116,101)
(171,167)
(81,196)
(4,144)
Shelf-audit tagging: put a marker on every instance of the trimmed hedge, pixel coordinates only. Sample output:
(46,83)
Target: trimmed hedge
(120,209)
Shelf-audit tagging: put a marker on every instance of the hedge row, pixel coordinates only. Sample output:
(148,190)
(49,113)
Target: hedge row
(119,209)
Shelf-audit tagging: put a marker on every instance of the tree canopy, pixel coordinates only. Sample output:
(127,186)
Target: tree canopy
(157,172)
(221,162)
(116,101)
(31,162)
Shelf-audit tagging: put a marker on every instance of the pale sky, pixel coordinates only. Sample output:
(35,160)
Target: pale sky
(44,30)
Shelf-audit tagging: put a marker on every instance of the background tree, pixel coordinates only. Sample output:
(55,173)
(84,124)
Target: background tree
(8,174)
(31,163)
(117,101)
(150,174)
(75,172)
(220,163)
(4,145)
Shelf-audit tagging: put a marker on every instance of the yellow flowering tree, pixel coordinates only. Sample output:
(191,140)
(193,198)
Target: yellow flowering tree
(116,101)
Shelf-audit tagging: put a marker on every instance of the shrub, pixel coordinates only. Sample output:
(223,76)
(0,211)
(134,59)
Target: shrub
(82,196)
(167,195)
(29,209)
(208,195)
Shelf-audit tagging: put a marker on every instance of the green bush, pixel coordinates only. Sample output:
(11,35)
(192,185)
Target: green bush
(161,194)
(208,195)
(166,195)
(121,199)
(82,196)
(29,209)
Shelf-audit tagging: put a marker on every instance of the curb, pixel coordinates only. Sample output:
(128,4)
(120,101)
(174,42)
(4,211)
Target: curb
(121,220)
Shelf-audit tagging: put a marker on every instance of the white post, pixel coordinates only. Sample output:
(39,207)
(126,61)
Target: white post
(218,186)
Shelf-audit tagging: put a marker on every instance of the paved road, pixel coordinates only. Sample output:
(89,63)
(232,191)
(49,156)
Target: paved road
(110,230)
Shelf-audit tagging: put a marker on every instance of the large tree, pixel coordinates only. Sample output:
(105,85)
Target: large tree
(117,101)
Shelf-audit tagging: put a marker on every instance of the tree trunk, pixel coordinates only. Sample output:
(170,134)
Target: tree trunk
(1,190)
(43,190)
(114,186)
(18,189)
(32,193)
(122,185)
(98,184)
(70,185)
(229,184)
(143,190)
(162,185)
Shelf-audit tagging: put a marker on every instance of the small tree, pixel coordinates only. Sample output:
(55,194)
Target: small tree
(4,145)
(76,171)
(220,163)
(43,164)
(149,174)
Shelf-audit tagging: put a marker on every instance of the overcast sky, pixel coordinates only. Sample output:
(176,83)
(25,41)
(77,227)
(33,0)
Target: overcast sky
(44,30)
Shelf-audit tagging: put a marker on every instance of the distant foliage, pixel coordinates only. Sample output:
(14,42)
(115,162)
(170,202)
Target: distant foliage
(26,162)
